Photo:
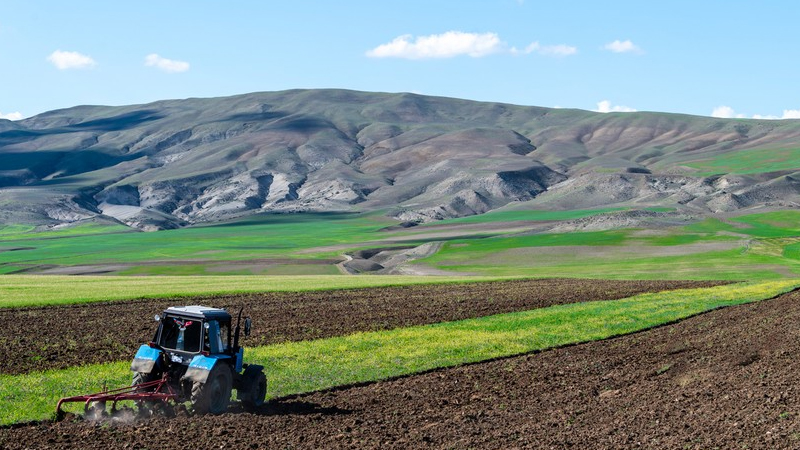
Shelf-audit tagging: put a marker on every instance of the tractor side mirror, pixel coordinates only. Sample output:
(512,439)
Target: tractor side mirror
(157,317)
(247,325)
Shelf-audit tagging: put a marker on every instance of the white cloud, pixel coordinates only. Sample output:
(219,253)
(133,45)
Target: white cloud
(726,112)
(791,114)
(11,116)
(457,43)
(622,47)
(759,116)
(787,114)
(70,60)
(445,45)
(606,107)
(551,50)
(167,65)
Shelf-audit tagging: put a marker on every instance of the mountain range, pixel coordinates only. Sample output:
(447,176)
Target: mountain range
(412,157)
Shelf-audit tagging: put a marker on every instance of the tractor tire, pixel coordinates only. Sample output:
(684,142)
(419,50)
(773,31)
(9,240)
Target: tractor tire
(144,406)
(141,378)
(256,387)
(213,396)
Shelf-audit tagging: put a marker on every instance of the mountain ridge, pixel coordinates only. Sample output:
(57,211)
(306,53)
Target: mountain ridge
(173,163)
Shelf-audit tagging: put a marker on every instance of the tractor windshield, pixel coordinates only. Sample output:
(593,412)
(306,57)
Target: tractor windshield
(181,334)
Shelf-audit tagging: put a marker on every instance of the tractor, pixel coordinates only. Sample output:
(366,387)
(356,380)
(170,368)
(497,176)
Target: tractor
(194,356)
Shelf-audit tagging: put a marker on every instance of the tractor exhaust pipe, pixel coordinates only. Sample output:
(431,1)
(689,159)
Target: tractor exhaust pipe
(237,331)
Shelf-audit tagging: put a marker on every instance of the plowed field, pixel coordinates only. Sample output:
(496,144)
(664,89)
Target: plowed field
(724,379)
(63,336)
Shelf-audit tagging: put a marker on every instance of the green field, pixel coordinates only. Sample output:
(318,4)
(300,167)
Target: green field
(509,214)
(762,246)
(746,247)
(749,161)
(33,290)
(17,232)
(272,236)
(750,247)
(311,365)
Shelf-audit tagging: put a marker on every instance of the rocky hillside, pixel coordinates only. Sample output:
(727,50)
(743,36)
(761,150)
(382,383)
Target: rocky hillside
(177,162)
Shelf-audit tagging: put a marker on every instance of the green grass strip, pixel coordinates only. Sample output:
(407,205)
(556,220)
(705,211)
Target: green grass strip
(298,367)
(312,365)
(37,290)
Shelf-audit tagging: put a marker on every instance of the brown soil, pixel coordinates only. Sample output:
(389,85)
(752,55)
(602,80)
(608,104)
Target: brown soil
(59,337)
(726,379)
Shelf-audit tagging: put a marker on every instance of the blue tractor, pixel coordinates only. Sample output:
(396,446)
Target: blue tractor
(195,356)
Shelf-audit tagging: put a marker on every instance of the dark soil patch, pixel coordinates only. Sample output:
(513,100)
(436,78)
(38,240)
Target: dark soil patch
(62,336)
(726,379)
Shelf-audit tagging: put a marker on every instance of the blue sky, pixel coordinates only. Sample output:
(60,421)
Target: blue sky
(726,58)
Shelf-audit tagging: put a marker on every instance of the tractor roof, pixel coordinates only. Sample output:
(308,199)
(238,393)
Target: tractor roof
(199,312)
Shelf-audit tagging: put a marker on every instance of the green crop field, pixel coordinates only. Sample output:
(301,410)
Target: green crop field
(311,365)
(270,236)
(200,250)
(509,214)
(749,161)
(17,232)
(32,290)
(747,247)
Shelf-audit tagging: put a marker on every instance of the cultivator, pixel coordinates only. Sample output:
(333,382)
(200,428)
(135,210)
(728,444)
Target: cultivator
(194,357)
(150,393)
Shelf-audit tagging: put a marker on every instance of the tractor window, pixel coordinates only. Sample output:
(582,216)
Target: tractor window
(216,337)
(225,335)
(181,334)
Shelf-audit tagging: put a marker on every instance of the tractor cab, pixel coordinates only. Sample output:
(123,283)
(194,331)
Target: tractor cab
(189,330)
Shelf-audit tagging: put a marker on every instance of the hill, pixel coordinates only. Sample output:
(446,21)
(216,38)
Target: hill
(416,158)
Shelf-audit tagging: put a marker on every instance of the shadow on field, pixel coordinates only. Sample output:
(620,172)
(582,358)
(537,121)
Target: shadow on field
(293,407)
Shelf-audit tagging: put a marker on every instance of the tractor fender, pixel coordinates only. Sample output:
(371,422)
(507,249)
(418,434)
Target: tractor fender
(201,366)
(247,386)
(250,374)
(145,359)
(252,370)
(239,360)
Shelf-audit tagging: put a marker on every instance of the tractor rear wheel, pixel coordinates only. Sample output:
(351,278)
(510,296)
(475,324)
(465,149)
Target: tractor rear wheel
(214,395)
(256,391)
(141,378)
(145,407)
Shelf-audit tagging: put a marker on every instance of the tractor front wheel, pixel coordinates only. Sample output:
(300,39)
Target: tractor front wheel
(213,396)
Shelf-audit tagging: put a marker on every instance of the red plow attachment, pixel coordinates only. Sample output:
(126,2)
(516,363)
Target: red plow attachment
(153,391)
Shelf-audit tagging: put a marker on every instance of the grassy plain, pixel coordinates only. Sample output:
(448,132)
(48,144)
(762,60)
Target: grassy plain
(749,161)
(273,236)
(749,247)
(511,214)
(17,232)
(35,290)
(311,365)
(502,243)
